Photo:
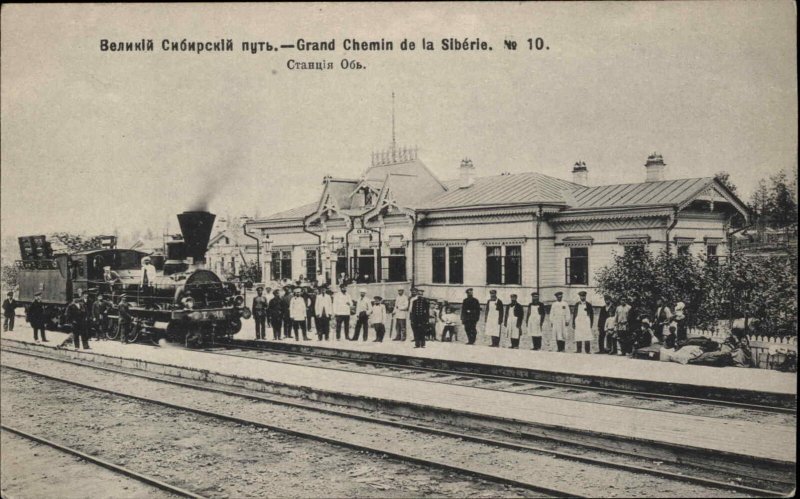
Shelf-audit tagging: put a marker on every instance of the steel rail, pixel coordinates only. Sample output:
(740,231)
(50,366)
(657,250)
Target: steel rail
(320,438)
(758,492)
(611,391)
(105,464)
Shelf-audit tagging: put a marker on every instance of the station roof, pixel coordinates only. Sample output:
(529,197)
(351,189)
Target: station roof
(299,212)
(661,193)
(517,188)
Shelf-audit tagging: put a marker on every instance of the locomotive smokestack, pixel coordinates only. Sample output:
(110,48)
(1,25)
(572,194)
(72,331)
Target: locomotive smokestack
(196,229)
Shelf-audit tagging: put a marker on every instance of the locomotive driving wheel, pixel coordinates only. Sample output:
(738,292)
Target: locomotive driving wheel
(112,333)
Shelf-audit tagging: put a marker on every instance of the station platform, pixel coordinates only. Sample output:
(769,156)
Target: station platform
(682,434)
(731,384)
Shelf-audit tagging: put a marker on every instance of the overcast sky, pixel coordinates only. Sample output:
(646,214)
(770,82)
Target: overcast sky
(93,141)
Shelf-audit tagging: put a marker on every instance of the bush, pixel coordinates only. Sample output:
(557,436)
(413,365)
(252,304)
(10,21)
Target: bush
(760,289)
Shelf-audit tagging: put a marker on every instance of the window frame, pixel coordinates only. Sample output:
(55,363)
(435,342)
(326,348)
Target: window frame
(501,263)
(569,267)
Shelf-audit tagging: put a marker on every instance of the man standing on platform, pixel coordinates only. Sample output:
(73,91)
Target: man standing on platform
(514,314)
(582,322)
(76,316)
(606,312)
(311,302)
(9,309)
(470,315)
(297,311)
(287,314)
(559,321)
(125,318)
(260,307)
(341,309)
(622,319)
(494,318)
(323,308)
(362,315)
(400,314)
(535,320)
(419,314)
(275,309)
(661,319)
(377,317)
(36,318)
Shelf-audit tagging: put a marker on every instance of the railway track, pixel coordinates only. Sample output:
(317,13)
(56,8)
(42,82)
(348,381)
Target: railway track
(770,488)
(120,470)
(568,391)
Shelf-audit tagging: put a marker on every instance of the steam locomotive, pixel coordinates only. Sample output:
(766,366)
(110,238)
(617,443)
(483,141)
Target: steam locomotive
(182,302)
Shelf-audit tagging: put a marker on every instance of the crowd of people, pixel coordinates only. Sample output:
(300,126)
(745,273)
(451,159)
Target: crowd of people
(292,311)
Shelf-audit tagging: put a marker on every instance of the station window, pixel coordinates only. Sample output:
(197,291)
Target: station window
(438,265)
(448,265)
(576,266)
(711,253)
(281,265)
(503,265)
(683,249)
(393,266)
(311,264)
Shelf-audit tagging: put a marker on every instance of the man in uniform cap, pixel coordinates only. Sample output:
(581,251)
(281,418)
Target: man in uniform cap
(35,316)
(341,310)
(275,311)
(323,309)
(470,315)
(512,321)
(535,320)
(297,311)
(125,318)
(400,314)
(419,315)
(362,315)
(76,316)
(582,322)
(260,304)
(494,318)
(559,320)
(9,309)
(377,317)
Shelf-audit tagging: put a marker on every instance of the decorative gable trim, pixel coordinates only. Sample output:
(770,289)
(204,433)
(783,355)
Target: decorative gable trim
(504,242)
(445,242)
(578,241)
(633,240)
(683,241)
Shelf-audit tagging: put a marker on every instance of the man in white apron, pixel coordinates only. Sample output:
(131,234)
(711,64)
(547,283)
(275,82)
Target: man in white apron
(535,320)
(582,322)
(559,320)
(494,317)
(513,321)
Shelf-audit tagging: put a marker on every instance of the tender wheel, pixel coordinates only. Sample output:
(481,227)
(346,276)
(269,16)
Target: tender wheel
(234,326)
(112,333)
(134,332)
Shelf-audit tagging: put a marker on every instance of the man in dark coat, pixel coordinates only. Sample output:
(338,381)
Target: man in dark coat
(470,315)
(419,314)
(535,320)
(275,309)
(287,316)
(9,306)
(76,317)
(125,318)
(36,318)
(512,320)
(260,304)
(607,311)
(100,316)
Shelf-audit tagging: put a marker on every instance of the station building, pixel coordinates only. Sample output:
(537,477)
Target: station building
(399,225)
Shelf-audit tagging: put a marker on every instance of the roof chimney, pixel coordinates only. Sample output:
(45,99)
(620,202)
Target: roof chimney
(466,173)
(655,168)
(580,174)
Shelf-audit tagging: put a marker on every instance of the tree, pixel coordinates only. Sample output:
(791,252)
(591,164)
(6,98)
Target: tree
(9,276)
(724,178)
(782,205)
(74,242)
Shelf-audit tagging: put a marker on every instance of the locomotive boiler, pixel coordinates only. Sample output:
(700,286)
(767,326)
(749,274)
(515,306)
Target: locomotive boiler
(185,302)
